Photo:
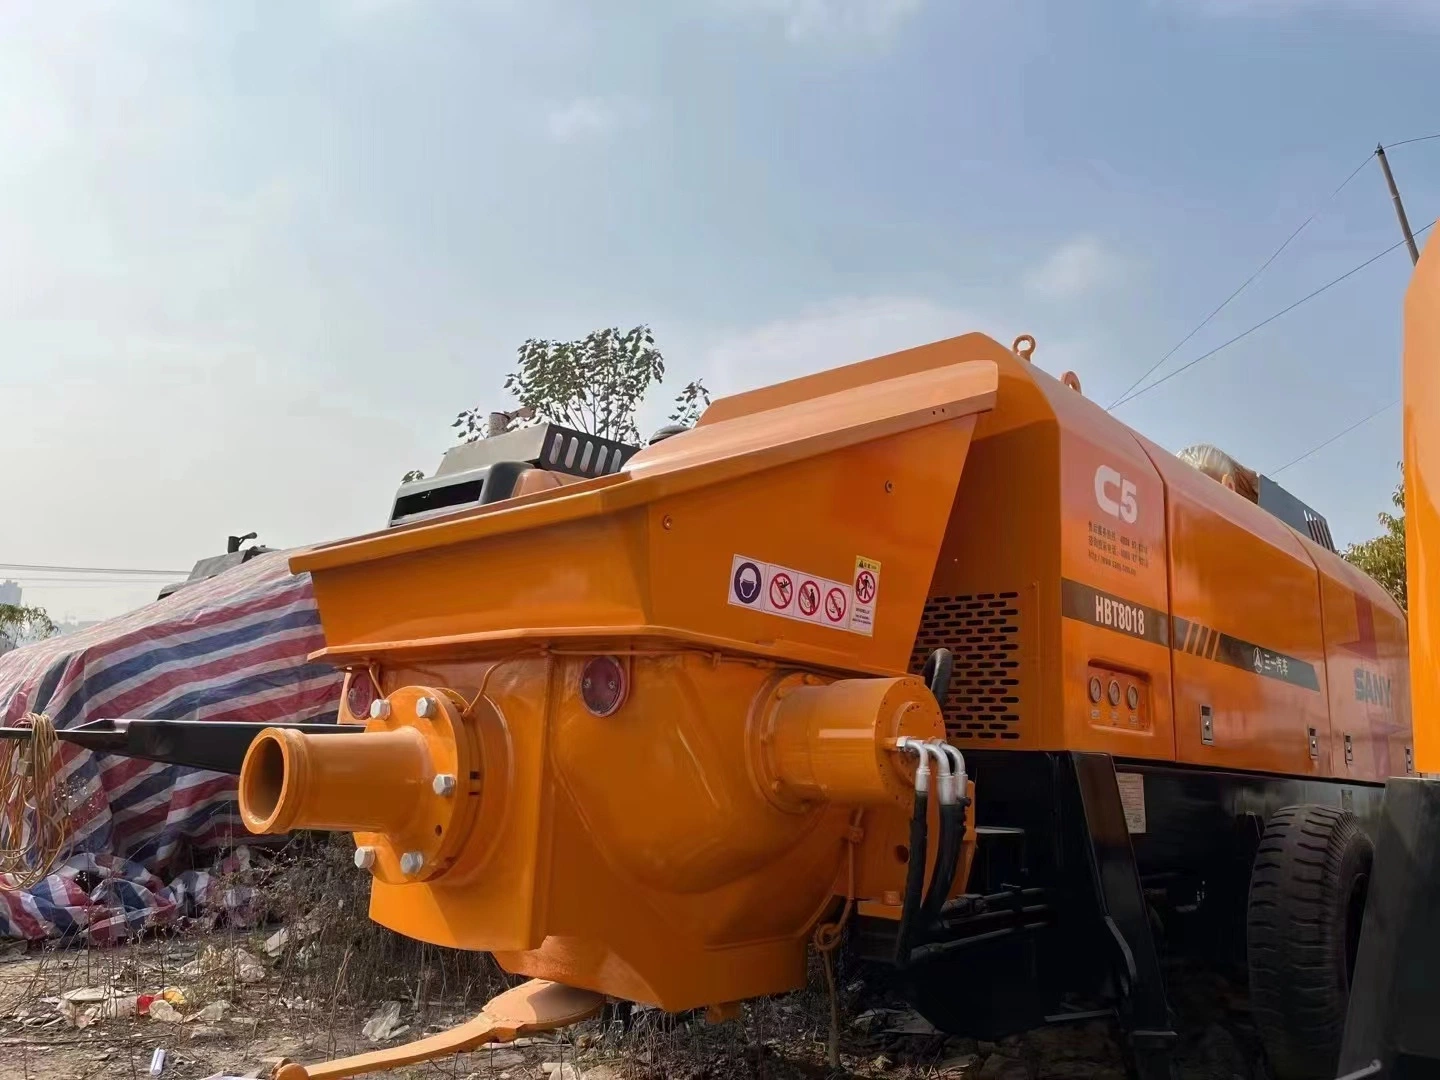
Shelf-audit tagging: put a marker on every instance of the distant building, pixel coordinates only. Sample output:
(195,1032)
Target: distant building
(10,592)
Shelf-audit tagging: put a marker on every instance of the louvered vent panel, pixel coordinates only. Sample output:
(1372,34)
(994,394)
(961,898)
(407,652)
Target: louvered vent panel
(983,631)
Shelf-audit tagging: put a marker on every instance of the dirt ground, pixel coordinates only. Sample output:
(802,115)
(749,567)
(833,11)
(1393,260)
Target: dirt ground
(310,977)
(54,1027)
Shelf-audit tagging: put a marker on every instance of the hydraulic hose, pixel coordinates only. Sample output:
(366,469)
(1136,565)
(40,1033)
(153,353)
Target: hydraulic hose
(915,866)
(936,674)
(937,671)
(945,794)
(952,835)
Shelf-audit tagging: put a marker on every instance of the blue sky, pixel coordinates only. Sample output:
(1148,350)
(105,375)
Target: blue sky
(253,258)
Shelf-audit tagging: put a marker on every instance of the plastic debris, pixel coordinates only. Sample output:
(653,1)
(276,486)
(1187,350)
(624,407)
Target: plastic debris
(162,1010)
(78,1015)
(216,1010)
(86,995)
(911,1023)
(85,1010)
(157,1061)
(276,942)
(237,961)
(385,1024)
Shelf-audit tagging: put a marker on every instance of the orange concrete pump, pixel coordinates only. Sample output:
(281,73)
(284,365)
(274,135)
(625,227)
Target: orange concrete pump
(928,646)
(639,733)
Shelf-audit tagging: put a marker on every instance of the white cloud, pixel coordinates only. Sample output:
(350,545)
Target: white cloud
(825,336)
(1077,268)
(829,20)
(843,331)
(587,119)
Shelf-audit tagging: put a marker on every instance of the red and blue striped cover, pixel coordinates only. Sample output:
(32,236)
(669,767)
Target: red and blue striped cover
(232,647)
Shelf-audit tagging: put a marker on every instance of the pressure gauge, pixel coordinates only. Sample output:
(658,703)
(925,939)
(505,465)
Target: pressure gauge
(1114,692)
(1095,689)
(1132,697)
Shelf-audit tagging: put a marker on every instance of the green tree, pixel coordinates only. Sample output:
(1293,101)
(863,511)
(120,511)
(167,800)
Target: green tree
(690,403)
(595,384)
(19,623)
(1383,558)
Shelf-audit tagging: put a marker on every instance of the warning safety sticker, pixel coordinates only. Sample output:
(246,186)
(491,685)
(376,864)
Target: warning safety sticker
(779,590)
(867,592)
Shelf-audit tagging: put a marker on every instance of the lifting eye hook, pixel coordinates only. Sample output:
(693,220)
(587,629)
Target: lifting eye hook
(1024,347)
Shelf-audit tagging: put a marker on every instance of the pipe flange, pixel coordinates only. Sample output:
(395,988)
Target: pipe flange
(437,830)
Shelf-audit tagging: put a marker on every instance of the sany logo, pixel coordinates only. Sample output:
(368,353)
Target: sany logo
(1115,494)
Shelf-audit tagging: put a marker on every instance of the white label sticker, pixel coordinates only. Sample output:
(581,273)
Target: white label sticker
(866,588)
(1132,800)
(791,594)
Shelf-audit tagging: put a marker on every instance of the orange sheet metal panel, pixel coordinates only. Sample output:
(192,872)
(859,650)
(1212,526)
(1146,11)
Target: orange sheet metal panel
(988,601)
(1053,572)
(688,543)
(1366,660)
(1079,554)
(1113,587)
(1248,649)
(1422,498)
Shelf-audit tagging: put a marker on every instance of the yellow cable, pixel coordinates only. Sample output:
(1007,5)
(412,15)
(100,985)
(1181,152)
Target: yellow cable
(34,823)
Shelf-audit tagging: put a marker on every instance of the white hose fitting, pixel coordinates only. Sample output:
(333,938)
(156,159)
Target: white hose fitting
(959,780)
(910,744)
(945,785)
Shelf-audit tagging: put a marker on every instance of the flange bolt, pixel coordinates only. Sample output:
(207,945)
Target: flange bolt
(411,862)
(365,857)
(443,784)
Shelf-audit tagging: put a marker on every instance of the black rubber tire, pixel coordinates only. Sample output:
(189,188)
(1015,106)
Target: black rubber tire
(1307,899)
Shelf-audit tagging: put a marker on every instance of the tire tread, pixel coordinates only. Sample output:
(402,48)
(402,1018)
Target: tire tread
(1296,918)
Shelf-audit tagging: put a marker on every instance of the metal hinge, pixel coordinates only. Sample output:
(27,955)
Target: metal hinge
(1349,750)
(1314,737)
(1409,760)
(1207,725)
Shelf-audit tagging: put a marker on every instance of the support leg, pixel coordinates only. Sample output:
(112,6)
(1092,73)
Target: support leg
(530,1008)
(1144,1010)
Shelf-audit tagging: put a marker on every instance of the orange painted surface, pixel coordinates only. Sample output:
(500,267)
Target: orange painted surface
(528,1009)
(681,849)
(1422,497)
(1107,556)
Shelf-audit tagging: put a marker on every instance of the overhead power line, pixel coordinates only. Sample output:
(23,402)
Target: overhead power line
(1338,435)
(1244,284)
(125,571)
(1131,396)
(1263,266)
(133,585)
(1407,142)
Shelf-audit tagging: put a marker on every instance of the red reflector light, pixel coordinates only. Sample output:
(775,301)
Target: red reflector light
(602,685)
(360,694)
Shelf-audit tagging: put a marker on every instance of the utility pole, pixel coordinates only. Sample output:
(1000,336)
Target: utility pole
(1399,206)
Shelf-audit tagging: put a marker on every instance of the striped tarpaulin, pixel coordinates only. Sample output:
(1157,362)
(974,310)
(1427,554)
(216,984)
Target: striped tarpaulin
(233,647)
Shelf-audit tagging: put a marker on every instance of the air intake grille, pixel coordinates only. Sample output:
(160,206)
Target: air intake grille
(1319,530)
(983,632)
